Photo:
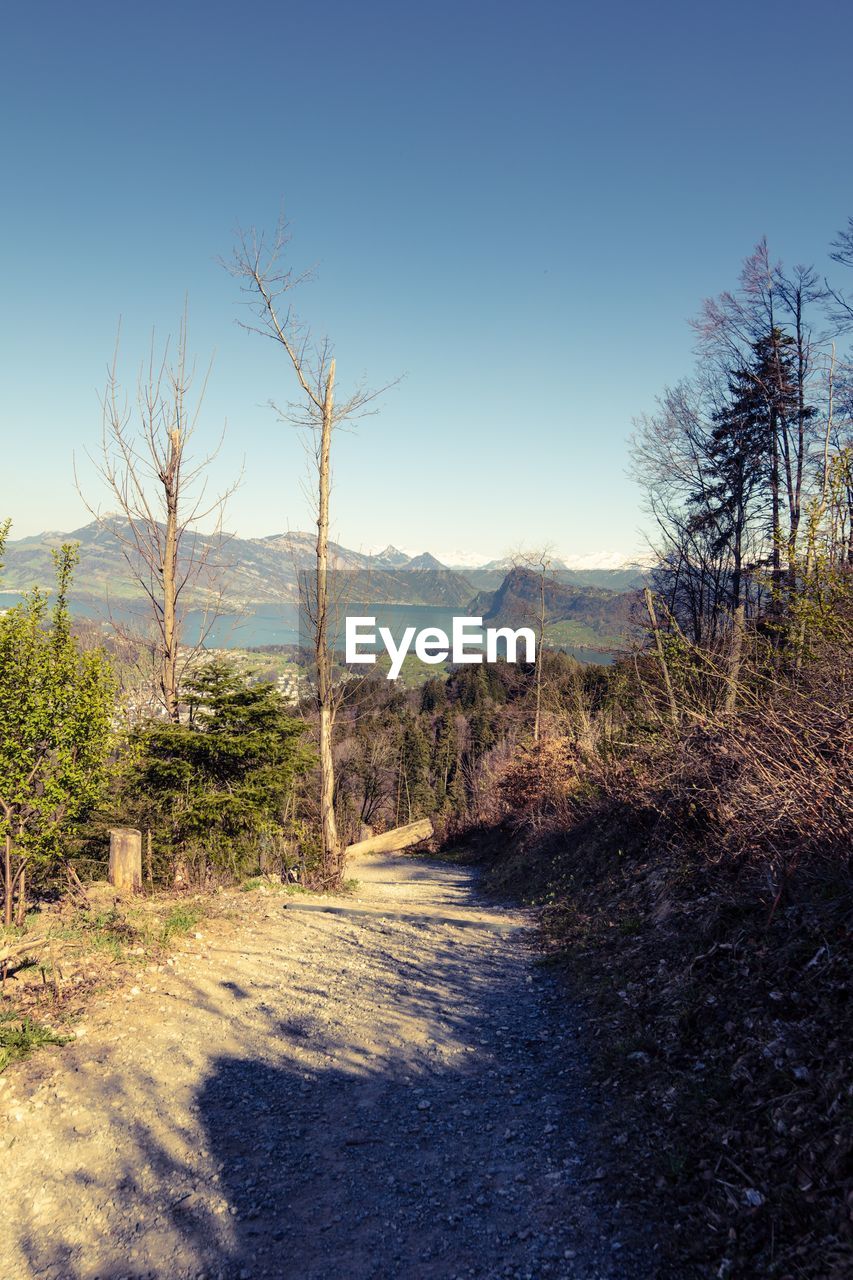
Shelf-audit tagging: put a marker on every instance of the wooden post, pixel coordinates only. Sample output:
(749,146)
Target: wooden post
(126,859)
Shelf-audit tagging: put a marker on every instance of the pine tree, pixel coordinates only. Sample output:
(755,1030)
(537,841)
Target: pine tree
(414,770)
(445,761)
(221,782)
(741,476)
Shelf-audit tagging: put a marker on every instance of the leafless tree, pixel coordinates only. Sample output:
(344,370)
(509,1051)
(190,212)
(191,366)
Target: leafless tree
(260,264)
(168,528)
(670,462)
(537,560)
(842,303)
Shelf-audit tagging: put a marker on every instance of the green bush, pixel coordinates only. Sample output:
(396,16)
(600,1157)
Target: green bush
(218,790)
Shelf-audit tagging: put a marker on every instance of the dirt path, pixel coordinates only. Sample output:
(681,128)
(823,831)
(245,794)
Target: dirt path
(369,1087)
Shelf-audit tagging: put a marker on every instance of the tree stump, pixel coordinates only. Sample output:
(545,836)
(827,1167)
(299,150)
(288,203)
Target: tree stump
(126,859)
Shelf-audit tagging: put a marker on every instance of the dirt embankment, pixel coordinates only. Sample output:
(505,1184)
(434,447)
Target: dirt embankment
(718,1037)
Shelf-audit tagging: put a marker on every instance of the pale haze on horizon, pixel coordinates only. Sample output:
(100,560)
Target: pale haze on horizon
(503,207)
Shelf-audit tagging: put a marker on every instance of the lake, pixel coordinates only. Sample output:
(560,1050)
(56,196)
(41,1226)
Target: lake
(267,624)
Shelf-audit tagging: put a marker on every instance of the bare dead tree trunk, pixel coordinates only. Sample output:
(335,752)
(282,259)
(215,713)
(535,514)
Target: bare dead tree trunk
(735,658)
(539,561)
(161,504)
(818,511)
(673,705)
(258,265)
(540,643)
(775,507)
(8,887)
(331,844)
(21,913)
(171,482)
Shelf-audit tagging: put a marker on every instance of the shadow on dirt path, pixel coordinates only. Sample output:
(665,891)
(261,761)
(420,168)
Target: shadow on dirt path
(387,1088)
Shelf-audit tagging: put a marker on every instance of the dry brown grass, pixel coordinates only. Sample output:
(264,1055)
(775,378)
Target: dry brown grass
(700,888)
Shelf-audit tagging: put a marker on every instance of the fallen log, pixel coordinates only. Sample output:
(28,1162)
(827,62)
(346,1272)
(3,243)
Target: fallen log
(393,841)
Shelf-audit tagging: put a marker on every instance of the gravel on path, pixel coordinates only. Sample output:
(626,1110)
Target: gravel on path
(382,1085)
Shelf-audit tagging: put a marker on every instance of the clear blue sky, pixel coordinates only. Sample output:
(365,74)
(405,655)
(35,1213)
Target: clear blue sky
(516,206)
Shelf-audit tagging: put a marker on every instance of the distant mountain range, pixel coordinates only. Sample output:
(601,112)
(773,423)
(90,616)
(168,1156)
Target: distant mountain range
(593,602)
(263,570)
